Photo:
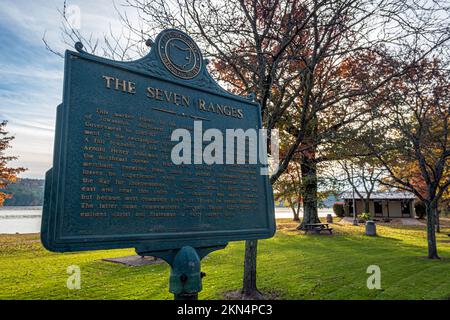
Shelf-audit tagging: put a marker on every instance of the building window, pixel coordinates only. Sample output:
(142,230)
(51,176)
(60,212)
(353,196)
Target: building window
(378,208)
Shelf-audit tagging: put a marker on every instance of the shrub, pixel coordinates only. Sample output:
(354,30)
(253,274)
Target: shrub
(421,209)
(338,209)
(365,216)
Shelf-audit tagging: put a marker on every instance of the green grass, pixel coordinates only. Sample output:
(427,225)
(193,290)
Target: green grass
(290,266)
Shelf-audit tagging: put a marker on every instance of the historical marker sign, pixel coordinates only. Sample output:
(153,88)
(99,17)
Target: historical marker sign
(114,183)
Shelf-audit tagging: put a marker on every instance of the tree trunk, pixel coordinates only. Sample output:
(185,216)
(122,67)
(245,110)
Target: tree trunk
(438,222)
(431,231)
(296,215)
(249,289)
(309,178)
(294,212)
(366,206)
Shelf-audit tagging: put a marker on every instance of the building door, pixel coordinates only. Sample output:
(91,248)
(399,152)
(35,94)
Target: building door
(406,211)
(350,208)
(378,208)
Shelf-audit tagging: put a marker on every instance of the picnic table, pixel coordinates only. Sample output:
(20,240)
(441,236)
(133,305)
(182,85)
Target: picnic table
(317,227)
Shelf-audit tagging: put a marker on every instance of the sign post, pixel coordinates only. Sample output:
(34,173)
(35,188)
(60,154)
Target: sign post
(139,162)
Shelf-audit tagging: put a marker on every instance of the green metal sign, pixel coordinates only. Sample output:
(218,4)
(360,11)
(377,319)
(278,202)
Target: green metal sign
(122,175)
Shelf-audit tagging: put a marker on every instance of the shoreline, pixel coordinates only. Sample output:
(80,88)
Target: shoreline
(27,220)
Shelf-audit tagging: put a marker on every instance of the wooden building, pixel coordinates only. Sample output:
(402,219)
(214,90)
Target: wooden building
(382,204)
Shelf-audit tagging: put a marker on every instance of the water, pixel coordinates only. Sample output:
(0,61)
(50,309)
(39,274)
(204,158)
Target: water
(28,219)
(287,213)
(20,219)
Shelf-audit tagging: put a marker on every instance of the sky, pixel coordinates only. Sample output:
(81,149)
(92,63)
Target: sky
(31,77)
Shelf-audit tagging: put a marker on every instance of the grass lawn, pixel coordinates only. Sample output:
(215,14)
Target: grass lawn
(290,266)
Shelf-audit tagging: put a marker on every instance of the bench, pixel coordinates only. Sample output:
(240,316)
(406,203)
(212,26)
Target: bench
(317,228)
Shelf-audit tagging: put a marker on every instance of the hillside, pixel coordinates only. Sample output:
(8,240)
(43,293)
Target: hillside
(25,192)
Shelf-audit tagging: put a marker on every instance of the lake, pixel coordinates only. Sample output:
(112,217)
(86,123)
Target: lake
(28,219)
(20,219)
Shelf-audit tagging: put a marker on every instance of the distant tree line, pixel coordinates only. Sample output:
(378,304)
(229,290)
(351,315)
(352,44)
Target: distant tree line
(25,192)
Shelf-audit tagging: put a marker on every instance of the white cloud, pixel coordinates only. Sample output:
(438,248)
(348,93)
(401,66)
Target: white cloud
(30,71)
(31,77)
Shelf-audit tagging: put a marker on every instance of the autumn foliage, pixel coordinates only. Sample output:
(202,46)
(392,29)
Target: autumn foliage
(7,175)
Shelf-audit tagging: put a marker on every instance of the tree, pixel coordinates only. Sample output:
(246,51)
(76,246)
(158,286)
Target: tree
(414,128)
(7,174)
(283,51)
(416,179)
(290,188)
(361,174)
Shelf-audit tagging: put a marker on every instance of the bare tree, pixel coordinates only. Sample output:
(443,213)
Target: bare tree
(363,177)
(126,45)
(290,188)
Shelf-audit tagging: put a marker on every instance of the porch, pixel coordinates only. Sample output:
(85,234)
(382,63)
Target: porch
(383,204)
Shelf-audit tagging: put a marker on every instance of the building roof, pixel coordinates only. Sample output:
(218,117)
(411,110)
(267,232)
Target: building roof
(381,195)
